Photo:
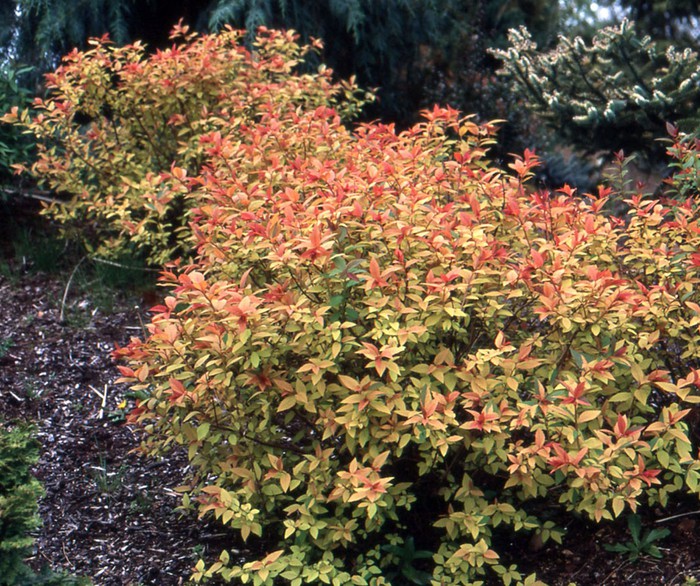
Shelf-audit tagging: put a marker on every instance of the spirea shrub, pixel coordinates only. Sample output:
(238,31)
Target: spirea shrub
(386,346)
(118,119)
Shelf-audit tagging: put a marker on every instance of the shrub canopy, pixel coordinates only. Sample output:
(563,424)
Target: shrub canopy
(118,120)
(383,338)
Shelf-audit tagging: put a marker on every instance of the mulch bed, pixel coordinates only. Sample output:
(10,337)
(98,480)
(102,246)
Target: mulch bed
(110,514)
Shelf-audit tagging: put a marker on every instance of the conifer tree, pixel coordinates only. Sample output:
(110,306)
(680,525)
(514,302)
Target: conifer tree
(39,32)
(619,91)
(379,42)
(19,492)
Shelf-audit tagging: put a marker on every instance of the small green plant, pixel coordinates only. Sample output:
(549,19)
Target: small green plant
(31,390)
(6,345)
(198,551)
(106,481)
(49,578)
(404,555)
(641,543)
(142,503)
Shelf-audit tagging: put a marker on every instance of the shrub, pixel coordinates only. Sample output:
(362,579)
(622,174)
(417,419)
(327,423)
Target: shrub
(385,343)
(117,120)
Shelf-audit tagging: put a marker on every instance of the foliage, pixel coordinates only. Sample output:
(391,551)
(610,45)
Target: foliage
(685,165)
(617,92)
(641,543)
(117,121)
(14,148)
(383,336)
(46,577)
(682,173)
(19,492)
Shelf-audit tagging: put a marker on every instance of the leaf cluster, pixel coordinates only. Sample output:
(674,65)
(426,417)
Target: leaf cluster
(383,336)
(641,543)
(119,122)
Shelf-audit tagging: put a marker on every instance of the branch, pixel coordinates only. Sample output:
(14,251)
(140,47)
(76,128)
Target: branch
(44,196)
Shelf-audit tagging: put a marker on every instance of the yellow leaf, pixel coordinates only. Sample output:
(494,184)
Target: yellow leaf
(285,480)
(618,505)
(588,415)
(272,557)
(287,403)
(378,462)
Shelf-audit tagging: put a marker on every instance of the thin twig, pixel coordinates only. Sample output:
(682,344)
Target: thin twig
(678,516)
(144,329)
(65,292)
(39,195)
(123,266)
(65,555)
(614,571)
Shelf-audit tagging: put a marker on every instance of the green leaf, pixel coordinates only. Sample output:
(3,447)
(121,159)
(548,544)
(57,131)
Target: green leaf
(336,300)
(203,431)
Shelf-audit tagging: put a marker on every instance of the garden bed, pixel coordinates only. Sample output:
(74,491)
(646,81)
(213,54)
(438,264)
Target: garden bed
(110,514)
